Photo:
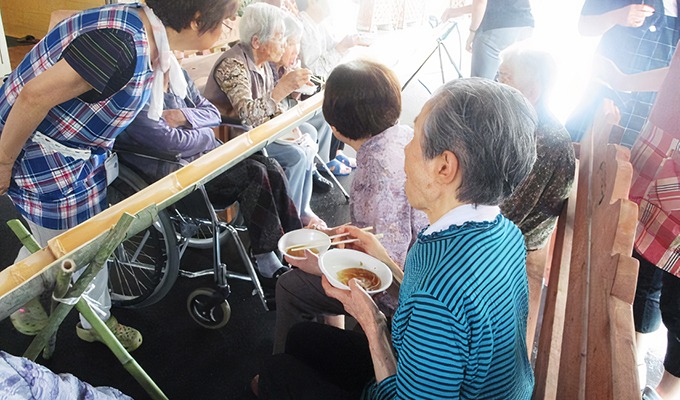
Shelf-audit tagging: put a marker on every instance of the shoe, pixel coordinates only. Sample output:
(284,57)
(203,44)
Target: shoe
(337,168)
(348,161)
(650,394)
(30,319)
(130,338)
(321,184)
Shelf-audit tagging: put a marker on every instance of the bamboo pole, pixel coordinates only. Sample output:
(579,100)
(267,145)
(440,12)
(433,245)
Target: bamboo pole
(123,356)
(61,286)
(28,241)
(24,235)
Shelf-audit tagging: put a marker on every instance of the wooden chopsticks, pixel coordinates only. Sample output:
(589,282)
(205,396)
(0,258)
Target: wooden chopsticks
(311,245)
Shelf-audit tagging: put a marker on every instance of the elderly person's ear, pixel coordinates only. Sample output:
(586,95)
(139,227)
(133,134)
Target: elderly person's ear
(255,42)
(447,168)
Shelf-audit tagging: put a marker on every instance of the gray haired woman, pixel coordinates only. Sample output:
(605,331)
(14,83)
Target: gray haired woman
(459,330)
(241,85)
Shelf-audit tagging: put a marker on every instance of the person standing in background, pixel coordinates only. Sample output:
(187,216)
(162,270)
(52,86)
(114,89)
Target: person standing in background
(637,37)
(494,26)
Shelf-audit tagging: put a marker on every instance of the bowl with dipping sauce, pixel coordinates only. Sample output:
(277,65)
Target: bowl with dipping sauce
(341,265)
(318,241)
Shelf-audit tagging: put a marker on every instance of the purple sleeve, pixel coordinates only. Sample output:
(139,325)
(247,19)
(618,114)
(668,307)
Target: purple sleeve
(190,142)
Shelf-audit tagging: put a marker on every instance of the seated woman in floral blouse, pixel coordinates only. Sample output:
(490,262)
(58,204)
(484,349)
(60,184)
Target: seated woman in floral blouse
(362,103)
(241,85)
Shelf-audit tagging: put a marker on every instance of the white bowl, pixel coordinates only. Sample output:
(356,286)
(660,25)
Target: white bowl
(301,237)
(336,260)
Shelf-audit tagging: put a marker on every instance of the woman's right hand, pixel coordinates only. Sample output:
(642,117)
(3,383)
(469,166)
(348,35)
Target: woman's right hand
(290,82)
(367,242)
(633,15)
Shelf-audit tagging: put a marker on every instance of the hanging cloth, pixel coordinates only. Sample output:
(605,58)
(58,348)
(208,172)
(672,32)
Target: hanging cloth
(166,63)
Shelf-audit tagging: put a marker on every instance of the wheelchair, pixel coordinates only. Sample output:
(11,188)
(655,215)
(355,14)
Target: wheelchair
(144,268)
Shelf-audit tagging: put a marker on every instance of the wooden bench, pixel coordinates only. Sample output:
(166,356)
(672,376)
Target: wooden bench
(586,348)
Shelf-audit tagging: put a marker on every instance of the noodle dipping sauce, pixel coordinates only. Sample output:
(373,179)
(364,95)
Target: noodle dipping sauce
(341,265)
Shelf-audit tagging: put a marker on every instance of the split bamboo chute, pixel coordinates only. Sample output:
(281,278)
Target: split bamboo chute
(26,279)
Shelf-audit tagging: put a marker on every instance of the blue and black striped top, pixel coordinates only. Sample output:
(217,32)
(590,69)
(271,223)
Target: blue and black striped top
(459,331)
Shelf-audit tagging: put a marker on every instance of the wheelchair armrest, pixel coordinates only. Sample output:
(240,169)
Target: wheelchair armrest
(147,152)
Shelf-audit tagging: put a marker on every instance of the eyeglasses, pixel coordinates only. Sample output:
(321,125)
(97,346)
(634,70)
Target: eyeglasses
(225,23)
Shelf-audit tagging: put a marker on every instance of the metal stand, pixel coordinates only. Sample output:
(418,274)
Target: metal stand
(438,49)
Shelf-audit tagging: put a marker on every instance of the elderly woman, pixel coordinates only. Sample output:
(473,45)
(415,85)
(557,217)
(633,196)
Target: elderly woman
(290,61)
(241,85)
(538,201)
(60,113)
(459,329)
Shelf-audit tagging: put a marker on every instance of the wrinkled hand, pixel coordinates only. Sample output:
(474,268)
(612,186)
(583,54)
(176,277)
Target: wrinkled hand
(633,15)
(5,177)
(357,302)
(296,79)
(310,264)
(367,242)
(317,223)
(175,118)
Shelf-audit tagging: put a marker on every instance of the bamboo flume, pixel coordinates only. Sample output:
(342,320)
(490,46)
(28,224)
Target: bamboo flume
(24,280)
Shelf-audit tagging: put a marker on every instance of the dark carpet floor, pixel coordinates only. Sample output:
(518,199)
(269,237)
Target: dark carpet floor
(185,360)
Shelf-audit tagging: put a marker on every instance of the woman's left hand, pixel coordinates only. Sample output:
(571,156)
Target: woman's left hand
(357,302)
(308,264)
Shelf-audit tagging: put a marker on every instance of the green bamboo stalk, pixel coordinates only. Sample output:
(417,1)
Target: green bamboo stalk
(129,363)
(112,240)
(24,235)
(32,245)
(61,286)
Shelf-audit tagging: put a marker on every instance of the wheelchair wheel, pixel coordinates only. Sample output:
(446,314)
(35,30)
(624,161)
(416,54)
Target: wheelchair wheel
(209,308)
(203,237)
(143,268)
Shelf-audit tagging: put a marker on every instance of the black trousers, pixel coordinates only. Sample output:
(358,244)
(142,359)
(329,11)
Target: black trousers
(657,298)
(320,362)
(260,186)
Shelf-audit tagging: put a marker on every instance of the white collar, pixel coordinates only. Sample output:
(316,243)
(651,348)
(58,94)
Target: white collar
(463,214)
(166,62)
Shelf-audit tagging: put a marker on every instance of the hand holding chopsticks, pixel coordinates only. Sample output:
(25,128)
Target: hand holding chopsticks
(366,229)
(312,245)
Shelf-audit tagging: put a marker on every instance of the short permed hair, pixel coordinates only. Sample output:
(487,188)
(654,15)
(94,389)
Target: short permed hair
(362,99)
(178,14)
(490,127)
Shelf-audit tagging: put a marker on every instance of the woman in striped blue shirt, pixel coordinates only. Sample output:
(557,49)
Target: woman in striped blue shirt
(459,330)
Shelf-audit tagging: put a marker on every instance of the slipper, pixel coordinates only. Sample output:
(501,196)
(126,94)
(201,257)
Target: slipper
(348,161)
(338,168)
